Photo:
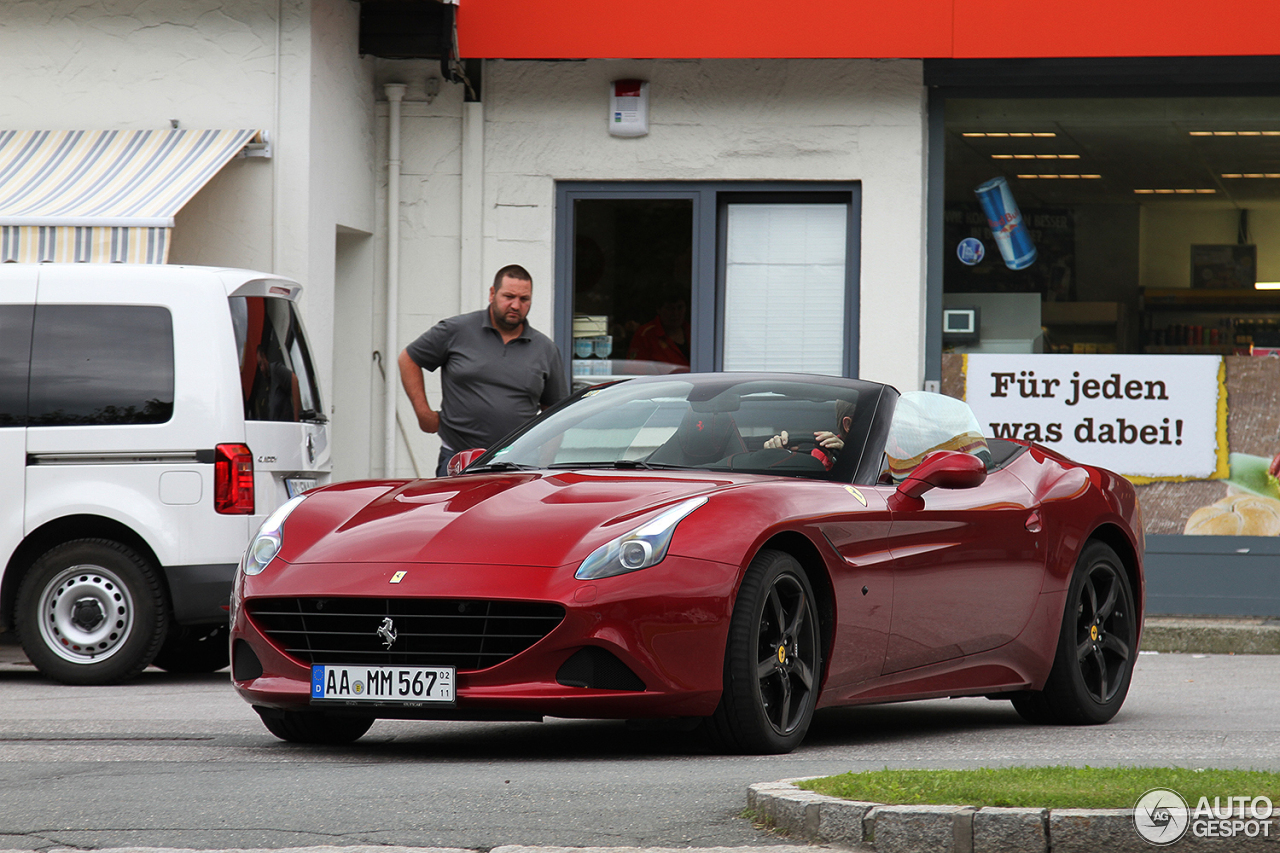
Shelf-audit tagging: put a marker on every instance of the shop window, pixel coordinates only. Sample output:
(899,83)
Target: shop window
(785,287)
(1153,221)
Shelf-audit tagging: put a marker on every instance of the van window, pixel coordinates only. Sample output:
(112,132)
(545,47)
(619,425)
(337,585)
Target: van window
(276,377)
(101,364)
(15,363)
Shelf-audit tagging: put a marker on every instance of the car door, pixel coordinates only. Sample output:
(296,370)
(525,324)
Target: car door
(17,300)
(863,583)
(967,571)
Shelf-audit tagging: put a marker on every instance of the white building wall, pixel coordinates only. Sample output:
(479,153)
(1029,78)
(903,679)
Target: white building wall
(710,120)
(289,67)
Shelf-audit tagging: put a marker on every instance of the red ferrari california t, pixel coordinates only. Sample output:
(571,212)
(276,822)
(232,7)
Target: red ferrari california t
(731,551)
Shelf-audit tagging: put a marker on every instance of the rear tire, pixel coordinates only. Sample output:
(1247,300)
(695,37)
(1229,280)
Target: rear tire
(1097,646)
(773,662)
(195,649)
(313,726)
(91,611)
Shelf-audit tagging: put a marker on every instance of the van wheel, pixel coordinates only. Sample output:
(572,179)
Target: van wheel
(91,611)
(194,648)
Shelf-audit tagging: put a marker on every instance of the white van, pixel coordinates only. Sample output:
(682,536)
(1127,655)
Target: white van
(151,417)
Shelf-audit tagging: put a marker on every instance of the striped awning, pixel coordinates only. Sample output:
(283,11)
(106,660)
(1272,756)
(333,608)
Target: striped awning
(102,195)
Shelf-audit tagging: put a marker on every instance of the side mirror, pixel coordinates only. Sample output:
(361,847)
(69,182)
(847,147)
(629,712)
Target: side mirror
(463,458)
(942,469)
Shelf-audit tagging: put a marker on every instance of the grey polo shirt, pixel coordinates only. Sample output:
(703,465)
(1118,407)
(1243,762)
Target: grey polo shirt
(489,388)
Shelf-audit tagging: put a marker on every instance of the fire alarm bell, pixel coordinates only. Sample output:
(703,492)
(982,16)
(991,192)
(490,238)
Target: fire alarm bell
(629,107)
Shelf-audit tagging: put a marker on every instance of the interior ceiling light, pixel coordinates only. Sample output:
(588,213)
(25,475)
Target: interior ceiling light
(1035,156)
(1251,174)
(1234,132)
(1008,135)
(1180,191)
(1059,177)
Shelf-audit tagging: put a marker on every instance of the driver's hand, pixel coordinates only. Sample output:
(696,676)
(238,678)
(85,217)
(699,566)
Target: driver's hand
(829,440)
(777,442)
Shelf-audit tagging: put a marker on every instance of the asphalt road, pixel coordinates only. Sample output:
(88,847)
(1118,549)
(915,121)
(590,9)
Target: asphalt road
(181,761)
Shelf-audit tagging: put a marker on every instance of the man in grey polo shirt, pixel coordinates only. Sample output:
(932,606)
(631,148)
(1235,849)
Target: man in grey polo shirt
(497,371)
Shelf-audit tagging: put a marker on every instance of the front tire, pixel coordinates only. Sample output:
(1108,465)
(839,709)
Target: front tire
(313,726)
(1097,646)
(773,663)
(91,611)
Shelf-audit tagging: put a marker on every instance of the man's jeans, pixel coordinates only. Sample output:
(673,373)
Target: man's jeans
(442,463)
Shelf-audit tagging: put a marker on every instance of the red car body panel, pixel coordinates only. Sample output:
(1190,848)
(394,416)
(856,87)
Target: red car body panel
(960,594)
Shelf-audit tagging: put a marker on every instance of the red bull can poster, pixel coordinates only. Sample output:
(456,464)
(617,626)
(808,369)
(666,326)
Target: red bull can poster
(1011,235)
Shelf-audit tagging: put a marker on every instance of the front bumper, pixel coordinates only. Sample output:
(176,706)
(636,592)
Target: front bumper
(667,624)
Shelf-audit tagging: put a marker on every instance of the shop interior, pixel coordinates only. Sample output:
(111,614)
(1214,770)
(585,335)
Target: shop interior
(632,287)
(1155,224)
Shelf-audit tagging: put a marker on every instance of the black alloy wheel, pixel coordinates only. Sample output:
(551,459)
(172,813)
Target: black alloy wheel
(1097,646)
(1104,635)
(773,664)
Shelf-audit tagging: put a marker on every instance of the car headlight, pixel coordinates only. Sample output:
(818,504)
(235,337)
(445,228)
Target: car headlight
(643,547)
(266,543)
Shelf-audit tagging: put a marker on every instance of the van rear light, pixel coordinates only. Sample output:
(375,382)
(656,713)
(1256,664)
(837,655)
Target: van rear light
(233,479)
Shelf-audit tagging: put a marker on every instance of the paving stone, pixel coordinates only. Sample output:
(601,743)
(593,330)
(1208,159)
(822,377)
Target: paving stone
(1010,831)
(912,829)
(842,822)
(1092,830)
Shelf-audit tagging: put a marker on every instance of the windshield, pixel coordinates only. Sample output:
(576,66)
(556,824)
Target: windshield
(713,422)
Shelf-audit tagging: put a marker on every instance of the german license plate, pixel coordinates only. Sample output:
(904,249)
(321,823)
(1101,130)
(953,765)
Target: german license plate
(294,486)
(396,684)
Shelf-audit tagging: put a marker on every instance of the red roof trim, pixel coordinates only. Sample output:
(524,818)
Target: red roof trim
(713,29)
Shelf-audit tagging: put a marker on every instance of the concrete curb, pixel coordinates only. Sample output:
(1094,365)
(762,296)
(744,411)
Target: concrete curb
(820,819)
(1219,635)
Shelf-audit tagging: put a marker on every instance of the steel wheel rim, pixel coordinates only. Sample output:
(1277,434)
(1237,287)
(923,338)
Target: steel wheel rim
(1104,636)
(86,614)
(786,654)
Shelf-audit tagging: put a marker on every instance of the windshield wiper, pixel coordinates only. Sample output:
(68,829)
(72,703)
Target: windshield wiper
(500,466)
(625,464)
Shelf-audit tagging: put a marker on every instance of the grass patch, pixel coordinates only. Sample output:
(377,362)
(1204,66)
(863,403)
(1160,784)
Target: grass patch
(1044,787)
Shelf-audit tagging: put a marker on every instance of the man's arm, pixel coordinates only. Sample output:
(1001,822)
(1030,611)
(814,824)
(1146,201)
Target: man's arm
(416,389)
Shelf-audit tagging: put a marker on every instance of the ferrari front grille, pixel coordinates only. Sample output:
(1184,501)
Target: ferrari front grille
(468,634)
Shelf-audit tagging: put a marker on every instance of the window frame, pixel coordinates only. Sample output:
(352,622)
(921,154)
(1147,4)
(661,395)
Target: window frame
(706,310)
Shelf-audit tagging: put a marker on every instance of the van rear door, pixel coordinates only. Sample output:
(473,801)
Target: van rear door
(285,425)
(17,307)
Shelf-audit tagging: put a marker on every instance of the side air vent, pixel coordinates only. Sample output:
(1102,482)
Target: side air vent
(596,668)
(244,663)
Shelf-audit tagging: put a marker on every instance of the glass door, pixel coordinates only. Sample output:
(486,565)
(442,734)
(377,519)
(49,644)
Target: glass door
(632,287)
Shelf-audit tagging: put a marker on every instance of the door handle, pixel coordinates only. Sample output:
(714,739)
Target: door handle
(1033,522)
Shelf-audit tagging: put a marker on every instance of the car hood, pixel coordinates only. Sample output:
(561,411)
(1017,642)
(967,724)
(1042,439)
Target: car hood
(527,518)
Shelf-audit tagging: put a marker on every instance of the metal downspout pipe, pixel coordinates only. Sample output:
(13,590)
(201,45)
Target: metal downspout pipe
(395,94)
